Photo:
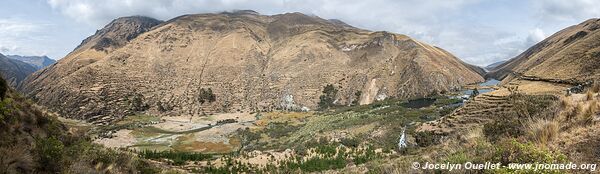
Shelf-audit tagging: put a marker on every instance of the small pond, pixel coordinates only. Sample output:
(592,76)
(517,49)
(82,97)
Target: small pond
(489,82)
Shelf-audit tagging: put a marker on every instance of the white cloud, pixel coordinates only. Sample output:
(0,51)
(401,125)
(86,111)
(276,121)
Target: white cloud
(561,10)
(18,34)
(12,32)
(536,35)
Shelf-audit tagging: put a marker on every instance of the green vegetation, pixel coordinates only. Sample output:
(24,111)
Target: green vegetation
(278,130)
(499,128)
(3,88)
(505,151)
(424,139)
(327,99)
(475,93)
(388,117)
(206,95)
(527,107)
(512,138)
(322,157)
(176,158)
(51,153)
(34,142)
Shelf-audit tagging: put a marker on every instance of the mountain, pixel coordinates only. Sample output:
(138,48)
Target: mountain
(38,62)
(239,61)
(494,65)
(34,141)
(14,71)
(570,55)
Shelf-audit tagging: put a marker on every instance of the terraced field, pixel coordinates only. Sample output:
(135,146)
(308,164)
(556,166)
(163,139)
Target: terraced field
(476,112)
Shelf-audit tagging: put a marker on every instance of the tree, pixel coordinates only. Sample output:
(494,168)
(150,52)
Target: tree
(328,97)
(206,95)
(474,93)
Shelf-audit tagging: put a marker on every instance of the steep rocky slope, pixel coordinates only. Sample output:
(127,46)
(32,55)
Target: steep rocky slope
(38,62)
(572,54)
(250,62)
(14,71)
(34,141)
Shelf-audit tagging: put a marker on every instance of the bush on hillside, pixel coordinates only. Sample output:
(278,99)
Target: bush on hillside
(328,98)
(206,95)
(3,88)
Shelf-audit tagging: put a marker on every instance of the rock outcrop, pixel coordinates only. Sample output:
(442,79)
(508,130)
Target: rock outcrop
(248,62)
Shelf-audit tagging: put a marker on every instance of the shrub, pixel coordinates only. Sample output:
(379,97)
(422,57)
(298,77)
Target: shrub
(50,151)
(529,106)
(512,151)
(327,99)
(278,130)
(3,88)
(475,93)
(350,142)
(508,127)
(206,95)
(426,138)
(16,159)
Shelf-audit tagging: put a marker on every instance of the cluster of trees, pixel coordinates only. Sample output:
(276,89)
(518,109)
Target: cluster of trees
(206,95)
(327,157)
(328,98)
(177,158)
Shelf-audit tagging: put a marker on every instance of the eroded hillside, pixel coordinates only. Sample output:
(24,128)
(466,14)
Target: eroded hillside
(250,62)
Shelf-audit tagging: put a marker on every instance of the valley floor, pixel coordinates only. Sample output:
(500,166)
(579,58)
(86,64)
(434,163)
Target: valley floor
(535,122)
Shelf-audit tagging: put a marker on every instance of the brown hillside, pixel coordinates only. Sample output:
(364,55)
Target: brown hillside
(570,54)
(251,62)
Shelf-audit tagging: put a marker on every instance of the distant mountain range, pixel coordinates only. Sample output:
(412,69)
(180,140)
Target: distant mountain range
(14,71)
(38,62)
(493,65)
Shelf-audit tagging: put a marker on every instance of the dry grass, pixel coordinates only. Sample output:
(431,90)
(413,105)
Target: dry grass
(543,131)
(569,112)
(565,103)
(586,117)
(589,95)
(16,159)
(579,109)
(596,87)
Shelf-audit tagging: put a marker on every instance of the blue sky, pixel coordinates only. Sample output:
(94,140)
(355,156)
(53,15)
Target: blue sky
(479,32)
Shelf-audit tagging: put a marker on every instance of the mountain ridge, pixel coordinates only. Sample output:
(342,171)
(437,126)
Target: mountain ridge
(38,62)
(570,54)
(263,63)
